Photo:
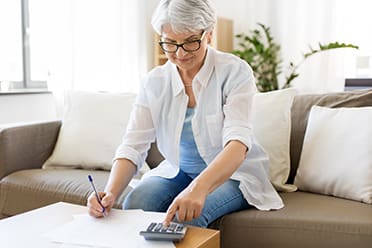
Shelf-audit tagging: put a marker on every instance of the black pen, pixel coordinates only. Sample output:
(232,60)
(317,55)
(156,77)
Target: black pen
(97,196)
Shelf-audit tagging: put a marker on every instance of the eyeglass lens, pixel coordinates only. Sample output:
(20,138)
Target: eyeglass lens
(187,46)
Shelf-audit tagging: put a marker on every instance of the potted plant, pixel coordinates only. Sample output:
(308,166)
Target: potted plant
(263,54)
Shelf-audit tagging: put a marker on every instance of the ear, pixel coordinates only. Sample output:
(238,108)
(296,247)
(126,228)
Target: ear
(209,37)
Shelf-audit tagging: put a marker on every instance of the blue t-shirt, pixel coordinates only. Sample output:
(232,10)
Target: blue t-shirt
(190,161)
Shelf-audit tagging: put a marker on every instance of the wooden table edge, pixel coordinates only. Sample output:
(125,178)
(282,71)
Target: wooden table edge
(198,237)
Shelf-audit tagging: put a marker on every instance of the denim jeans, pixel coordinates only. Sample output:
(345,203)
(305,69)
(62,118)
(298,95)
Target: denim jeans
(157,193)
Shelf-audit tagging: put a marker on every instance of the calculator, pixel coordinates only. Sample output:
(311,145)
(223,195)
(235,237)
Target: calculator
(156,231)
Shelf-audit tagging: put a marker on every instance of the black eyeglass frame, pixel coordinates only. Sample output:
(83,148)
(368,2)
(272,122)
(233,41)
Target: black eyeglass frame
(182,44)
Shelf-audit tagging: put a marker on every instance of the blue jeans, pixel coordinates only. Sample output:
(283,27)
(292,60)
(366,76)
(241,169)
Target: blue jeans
(157,193)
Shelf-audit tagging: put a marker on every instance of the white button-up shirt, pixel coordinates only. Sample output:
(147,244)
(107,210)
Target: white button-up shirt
(223,89)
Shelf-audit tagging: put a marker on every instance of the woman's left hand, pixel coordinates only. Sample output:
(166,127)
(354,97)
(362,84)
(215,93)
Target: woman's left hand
(186,206)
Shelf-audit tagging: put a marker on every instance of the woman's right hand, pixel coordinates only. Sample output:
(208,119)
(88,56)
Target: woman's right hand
(121,173)
(95,209)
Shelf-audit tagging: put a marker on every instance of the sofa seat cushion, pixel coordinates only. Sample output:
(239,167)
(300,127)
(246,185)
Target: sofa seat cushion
(307,220)
(29,189)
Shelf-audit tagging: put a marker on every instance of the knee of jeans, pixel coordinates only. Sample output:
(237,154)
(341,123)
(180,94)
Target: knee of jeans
(133,201)
(145,201)
(201,221)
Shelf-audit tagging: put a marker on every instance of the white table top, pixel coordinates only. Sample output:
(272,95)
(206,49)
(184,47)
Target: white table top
(24,230)
(31,229)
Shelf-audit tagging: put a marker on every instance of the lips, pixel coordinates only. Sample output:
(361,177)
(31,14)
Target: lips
(184,60)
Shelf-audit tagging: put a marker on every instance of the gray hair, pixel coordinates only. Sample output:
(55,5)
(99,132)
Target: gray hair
(184,15)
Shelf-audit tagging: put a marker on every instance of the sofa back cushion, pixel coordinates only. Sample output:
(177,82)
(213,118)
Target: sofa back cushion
(337,153)
(271,119)
(300,111)
(92,128)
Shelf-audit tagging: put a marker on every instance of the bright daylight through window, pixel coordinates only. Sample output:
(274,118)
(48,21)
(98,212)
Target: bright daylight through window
(20,68)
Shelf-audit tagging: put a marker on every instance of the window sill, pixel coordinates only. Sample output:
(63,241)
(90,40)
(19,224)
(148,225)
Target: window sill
(24,91)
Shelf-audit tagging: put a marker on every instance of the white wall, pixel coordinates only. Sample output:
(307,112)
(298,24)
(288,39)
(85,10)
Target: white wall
(23,108)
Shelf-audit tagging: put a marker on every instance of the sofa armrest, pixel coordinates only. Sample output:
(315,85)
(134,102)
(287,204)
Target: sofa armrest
(26,146)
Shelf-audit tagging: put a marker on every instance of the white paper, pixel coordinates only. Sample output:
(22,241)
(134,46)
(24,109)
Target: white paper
(119,229)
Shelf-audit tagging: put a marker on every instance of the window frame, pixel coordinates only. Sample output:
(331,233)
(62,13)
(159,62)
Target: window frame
(26,85)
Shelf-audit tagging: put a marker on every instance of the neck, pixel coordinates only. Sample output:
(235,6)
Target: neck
(186,79)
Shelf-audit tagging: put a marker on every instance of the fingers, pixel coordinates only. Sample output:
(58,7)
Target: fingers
(197,212)
(184,211)
(107,201)
(171,212)
(189,215)
(95,209)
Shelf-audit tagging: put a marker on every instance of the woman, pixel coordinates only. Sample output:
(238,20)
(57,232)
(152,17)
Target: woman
(198,109)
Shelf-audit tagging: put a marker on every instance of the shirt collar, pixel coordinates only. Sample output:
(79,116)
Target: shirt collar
(176,80)
(202,76)
(205,72)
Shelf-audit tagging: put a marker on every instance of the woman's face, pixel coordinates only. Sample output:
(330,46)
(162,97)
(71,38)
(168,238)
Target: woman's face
(187,61)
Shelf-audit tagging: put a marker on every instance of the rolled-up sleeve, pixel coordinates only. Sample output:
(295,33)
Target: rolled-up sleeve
(139,135)
(238,107)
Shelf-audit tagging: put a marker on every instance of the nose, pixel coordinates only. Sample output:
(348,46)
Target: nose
(180,52)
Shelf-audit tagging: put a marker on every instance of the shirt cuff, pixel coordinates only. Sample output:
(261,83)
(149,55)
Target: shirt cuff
(241,134)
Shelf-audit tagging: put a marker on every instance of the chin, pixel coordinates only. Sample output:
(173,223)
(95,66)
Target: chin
(185,64)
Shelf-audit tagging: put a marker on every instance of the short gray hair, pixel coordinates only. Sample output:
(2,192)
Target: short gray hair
(184,15)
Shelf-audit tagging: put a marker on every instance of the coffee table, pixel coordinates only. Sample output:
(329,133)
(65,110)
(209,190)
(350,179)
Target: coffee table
(24,230)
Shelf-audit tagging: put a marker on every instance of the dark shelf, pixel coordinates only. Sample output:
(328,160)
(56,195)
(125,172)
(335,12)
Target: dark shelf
(358,83)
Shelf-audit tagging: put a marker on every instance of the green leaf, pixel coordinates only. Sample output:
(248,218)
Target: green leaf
(261,51)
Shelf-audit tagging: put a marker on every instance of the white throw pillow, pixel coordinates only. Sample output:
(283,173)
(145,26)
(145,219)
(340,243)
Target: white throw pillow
(336,157)
(92,128)
(272,128)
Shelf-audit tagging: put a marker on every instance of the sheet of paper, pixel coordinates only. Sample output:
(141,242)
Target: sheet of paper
(119,229)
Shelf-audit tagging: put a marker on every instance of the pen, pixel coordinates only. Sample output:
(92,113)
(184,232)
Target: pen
(90,178)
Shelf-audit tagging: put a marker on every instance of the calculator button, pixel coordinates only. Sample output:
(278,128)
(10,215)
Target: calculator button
(158,227)
(171,227)
(151,226)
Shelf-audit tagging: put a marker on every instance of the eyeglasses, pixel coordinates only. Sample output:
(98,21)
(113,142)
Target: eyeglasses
(188,46)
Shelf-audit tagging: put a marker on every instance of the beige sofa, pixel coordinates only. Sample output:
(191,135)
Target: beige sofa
(308,219)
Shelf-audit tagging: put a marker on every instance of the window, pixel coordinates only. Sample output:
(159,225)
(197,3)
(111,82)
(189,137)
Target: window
(21,64)
(90,45)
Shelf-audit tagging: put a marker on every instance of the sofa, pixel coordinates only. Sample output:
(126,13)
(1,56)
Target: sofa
(309,219)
